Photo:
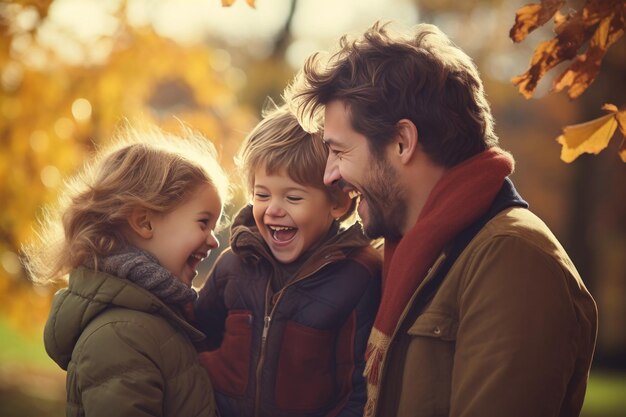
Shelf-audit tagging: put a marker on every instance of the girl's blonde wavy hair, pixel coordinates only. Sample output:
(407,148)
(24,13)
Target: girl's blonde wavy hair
(145,168)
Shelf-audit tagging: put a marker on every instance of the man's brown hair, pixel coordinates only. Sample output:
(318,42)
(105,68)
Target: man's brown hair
(384,77)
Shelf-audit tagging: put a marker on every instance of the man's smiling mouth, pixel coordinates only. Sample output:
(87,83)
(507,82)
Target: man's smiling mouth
(353,194)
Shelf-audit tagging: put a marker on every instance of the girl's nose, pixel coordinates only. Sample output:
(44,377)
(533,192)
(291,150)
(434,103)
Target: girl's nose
(212,241)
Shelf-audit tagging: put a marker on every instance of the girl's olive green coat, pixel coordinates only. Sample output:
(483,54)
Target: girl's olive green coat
(126,353)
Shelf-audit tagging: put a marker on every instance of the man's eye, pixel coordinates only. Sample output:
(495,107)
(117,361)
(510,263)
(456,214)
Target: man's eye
(336,153)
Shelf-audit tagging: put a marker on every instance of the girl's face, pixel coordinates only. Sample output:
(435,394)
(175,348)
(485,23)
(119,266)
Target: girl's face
(183,237)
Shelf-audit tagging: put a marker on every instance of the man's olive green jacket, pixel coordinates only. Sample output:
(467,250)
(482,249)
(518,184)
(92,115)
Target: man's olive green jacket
(509,333)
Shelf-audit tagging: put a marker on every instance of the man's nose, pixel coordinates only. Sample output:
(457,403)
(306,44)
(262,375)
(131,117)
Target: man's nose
(331,173)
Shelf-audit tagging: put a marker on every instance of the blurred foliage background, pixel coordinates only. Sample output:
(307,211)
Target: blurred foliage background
(73,70)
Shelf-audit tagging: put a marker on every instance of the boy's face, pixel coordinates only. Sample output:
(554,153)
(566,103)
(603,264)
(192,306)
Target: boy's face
(290,216)
(183,237)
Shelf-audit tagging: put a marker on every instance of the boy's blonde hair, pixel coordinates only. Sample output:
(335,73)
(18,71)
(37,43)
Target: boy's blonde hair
(279,144)
(145,168)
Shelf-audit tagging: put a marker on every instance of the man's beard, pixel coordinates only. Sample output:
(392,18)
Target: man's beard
(387,209)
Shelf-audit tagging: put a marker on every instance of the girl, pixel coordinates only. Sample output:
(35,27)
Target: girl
(131,229)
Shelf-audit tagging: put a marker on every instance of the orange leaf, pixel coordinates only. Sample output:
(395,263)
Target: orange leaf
(570,36)
(601,22)
(531,16)
(543,59)
(589,137)
(581,73)
(251,3)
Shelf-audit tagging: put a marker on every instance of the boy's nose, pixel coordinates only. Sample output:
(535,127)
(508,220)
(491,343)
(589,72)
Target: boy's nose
(275,209)
(331,173)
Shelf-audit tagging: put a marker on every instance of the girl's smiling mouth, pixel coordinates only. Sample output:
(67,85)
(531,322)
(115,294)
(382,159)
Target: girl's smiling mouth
(194,260)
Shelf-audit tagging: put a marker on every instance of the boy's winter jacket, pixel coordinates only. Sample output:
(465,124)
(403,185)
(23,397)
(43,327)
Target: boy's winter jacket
(299,351)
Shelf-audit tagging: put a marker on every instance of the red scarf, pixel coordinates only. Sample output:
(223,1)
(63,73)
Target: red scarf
(462,195)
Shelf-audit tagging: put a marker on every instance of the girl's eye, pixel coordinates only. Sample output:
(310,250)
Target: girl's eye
(204,223)
(294,198)
(261,196)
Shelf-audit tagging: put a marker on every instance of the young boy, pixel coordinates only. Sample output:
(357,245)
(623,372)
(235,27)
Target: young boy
(289,307)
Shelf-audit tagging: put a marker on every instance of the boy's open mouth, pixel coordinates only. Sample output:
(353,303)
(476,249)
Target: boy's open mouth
(282,234)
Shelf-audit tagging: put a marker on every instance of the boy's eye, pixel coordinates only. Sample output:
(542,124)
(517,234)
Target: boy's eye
(261,196)
(294,198)
(204,222)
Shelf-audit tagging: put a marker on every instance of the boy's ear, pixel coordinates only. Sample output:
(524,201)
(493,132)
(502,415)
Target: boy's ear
(341,204)
(140,222)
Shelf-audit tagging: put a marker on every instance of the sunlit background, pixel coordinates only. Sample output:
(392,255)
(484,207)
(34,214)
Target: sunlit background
(73,70)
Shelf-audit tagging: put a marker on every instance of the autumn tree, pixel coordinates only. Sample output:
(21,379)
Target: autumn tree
(583,36)
(55,111)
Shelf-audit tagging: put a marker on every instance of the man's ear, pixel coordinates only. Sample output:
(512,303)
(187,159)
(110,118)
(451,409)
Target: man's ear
(341,203)
(406,140)
(140,222)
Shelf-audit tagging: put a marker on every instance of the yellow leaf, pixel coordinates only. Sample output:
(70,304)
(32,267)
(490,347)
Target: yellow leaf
(251,3)
(589,137)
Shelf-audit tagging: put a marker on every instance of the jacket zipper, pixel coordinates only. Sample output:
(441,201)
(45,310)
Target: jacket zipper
(431,273)
(267,320)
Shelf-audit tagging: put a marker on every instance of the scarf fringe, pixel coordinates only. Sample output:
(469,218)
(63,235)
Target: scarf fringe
(377,346)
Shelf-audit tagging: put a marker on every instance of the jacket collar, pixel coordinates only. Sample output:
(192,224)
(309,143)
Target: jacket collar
(89,294)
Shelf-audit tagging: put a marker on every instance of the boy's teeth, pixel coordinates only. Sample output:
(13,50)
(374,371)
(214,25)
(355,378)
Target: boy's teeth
(353,194)
(280,228)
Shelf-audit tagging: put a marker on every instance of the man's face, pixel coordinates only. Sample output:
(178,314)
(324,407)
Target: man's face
(352,165)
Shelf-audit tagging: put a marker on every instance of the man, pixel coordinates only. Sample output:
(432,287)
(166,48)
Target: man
(483,313)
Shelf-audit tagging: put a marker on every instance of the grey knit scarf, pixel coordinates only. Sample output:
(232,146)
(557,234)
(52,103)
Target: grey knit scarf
(143,269)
